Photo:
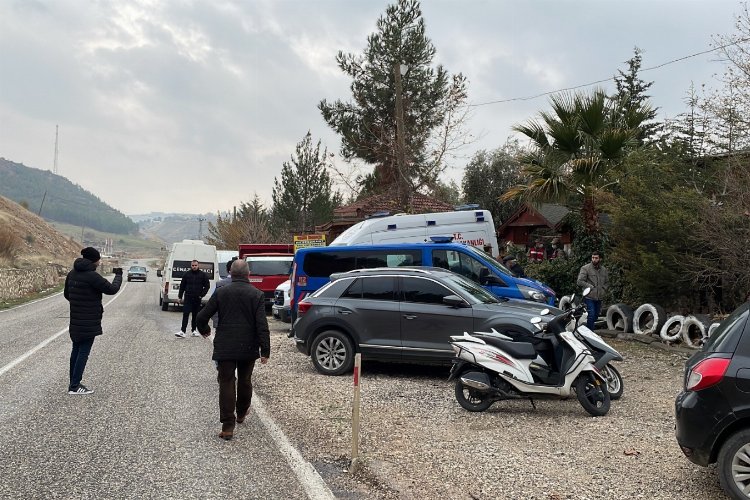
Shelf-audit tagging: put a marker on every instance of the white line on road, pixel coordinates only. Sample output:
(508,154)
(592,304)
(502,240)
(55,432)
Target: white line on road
(309,478)
(44,343)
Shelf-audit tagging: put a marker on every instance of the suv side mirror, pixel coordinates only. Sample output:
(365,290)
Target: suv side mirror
(454,301)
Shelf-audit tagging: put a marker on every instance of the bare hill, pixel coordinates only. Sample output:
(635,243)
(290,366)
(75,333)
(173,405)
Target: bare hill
(36,242)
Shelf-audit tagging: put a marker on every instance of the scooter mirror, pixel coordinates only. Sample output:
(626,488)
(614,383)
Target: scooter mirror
(586,291)
(536,320)
(544,312)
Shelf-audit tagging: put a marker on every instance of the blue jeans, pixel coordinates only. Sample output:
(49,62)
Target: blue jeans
(78,358)
(593,308)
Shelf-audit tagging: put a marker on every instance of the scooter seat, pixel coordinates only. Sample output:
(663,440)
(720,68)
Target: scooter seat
(519,350)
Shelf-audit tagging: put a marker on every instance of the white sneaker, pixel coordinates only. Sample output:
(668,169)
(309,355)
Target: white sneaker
(180,334)
(195,334)
(81,389)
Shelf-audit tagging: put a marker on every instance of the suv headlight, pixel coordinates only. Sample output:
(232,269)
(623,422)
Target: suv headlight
(532,293)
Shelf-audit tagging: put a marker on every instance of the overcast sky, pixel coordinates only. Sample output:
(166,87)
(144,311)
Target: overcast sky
(193,106)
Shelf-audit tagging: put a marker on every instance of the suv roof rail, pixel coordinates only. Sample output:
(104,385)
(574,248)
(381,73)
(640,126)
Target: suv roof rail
(417,269)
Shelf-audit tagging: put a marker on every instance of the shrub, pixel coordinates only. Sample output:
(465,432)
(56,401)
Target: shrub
(9,242)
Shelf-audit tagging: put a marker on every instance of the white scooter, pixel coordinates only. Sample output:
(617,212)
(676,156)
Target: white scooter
(492,367)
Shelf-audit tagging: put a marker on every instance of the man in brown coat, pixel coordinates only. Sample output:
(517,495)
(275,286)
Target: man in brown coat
(241,337)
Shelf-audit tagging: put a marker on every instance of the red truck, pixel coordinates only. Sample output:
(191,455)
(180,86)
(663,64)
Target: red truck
(270,265)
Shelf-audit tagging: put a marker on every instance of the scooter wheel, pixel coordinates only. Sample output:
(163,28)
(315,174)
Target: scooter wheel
(471,399)
(614,381)
(592,394)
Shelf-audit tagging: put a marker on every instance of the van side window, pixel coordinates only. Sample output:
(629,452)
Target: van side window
(323,264)
(424,291)
(458,262)
(371,288)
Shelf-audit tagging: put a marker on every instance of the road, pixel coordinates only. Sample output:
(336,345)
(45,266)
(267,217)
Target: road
(149,430)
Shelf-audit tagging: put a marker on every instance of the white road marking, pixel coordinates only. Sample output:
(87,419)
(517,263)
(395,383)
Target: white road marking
(309,478)
(44,343)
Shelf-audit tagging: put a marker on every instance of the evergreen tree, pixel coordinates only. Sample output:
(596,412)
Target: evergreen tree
(304,197)
(631,95)
(431,101)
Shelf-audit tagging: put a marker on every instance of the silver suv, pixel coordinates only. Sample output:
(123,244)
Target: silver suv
(400,314)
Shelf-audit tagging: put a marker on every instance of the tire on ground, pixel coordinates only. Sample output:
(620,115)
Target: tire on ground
(693,332)
(672,328)
(566,303)
(648,319)
(620,318)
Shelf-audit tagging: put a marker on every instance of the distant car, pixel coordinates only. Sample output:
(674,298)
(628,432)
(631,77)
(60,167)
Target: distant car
(401,314)
(137,273)
(713,410)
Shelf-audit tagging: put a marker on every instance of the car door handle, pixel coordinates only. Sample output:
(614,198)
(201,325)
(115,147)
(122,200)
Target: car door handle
(344,312)
(410,316)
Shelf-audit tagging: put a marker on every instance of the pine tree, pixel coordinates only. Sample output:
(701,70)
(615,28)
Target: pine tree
(431,105)
(304,196)
(631,95)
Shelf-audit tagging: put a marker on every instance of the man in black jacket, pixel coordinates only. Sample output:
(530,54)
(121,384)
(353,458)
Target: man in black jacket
(83,289)
(194,286)
(241,337)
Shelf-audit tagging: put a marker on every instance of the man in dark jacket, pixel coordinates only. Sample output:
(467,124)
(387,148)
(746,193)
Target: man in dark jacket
(194,286)
(83,289)
(241,338)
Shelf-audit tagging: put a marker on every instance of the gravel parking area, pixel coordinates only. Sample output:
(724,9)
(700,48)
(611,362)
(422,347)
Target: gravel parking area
(418,443)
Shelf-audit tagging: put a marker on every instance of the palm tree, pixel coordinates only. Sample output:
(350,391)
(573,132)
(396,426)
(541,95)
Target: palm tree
(577,151)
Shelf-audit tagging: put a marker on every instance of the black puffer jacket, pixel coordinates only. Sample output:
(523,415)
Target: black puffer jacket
(194,284)
(243,328)
(83,289)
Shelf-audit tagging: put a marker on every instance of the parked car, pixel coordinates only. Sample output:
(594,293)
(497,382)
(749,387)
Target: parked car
(400,314)
(137,273)
(281,308)
(713,411)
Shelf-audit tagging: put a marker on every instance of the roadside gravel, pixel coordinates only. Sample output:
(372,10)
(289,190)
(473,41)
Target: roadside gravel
(418,443)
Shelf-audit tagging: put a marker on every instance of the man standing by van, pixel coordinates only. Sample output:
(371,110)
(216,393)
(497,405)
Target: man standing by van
(194,286)
(596,276)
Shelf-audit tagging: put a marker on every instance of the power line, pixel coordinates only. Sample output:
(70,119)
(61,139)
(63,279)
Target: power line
(528,98)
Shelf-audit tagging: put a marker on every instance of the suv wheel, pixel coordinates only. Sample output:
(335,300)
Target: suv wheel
(332,353)
(733,463)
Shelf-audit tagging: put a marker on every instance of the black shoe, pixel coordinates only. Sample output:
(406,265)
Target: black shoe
(81,389)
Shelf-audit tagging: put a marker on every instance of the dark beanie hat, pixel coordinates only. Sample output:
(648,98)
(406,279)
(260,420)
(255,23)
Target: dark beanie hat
(91,254)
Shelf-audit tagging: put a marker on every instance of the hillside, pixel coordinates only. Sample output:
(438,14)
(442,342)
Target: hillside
(170,228)
(37,242)
(60,200)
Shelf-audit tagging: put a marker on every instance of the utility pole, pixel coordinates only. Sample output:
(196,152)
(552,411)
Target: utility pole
(200,227)
(403,190)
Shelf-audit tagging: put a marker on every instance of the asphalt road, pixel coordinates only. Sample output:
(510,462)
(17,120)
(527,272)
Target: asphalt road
(150,430)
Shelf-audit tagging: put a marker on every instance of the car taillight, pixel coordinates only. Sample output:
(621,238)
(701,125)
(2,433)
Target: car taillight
(708,372)
(303,307)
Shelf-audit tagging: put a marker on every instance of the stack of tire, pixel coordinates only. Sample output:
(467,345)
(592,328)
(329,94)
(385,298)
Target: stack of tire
(652,319)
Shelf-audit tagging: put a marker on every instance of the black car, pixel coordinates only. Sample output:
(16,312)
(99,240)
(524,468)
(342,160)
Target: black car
(713,410)
(400,314)
(137,273)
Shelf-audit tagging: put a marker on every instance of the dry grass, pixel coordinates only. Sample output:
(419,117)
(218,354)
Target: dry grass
(10,243)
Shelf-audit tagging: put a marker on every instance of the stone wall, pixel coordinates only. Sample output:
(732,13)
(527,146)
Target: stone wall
(15,283)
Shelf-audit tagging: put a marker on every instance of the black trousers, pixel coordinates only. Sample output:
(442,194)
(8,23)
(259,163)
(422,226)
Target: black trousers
(190,305)
(234,393)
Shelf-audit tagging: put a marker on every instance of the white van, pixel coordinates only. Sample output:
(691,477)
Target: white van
(472,227)
(225,256)
(178,263)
